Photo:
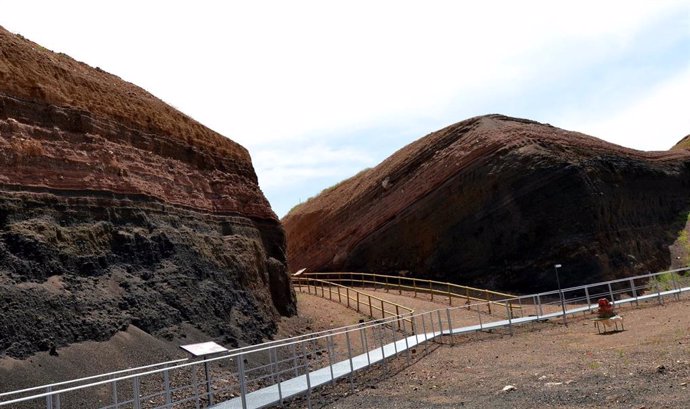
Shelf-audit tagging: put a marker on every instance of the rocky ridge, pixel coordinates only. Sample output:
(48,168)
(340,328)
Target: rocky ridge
(496,201)
(116,209)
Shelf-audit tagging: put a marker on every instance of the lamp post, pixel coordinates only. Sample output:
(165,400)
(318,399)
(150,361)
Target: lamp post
(560,292)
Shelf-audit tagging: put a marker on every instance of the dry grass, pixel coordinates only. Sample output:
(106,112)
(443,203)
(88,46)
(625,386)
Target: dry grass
(31,72)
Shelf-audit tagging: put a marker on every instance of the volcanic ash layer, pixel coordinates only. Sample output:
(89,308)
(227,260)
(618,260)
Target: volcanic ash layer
(495,202)
(116,209)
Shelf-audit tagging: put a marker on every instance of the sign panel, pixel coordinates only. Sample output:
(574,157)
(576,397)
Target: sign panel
(204,348)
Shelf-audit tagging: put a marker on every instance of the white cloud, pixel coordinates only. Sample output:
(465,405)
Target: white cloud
(289,166)
(656,120)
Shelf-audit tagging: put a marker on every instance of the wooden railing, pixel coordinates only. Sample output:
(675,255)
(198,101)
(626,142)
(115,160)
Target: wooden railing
(357,300)
(455,294)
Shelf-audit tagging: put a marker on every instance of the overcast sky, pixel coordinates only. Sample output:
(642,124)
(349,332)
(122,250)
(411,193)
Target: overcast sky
(318,90)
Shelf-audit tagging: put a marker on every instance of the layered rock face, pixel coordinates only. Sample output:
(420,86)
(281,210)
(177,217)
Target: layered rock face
(116,209)
(496,202)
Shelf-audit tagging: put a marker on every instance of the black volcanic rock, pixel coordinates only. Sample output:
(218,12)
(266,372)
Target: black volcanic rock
(495,202)
(116,209)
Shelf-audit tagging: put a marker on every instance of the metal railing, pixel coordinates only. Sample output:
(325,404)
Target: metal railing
(443,291)
(359,301)
(271,373)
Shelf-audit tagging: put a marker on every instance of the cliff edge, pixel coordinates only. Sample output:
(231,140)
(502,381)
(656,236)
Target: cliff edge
(117,210)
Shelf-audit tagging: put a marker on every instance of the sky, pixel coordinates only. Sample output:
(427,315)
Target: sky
(319,90)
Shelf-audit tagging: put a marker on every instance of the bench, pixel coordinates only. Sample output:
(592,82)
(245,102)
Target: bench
(609,322)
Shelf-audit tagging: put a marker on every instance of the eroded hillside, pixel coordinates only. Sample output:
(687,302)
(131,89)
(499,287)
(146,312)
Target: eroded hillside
(496,201)
(116,209)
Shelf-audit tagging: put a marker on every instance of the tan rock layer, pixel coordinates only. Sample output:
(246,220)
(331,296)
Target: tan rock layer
(62,148)
(32,72)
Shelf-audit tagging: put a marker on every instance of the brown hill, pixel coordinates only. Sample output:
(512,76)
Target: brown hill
(115,208)
(683,144)
(496,201)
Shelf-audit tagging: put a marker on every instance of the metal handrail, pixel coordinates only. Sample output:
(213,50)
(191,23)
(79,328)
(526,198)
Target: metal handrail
(233,354)
(88,378)
(418,285)
(350,294)
(655,290)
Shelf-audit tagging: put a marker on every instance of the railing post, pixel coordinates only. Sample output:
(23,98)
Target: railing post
(407,347)
(380,337)
(541,311)
(414,284)
(357,293)
(347,296)
(329,345)
(589,302)
(658,291)
(209,390)
(634,292)
(450,298)
(426,336)
(49,398)
(243,381)
(116,404)
(399,285)
(371,310)
(383,311)
(195,384)
(450,327)
(414,328)
(295,364)
(166,384)
(307,374)
(365,344)
(676,287)
(613,300)
(510,317)
(349,357)
(273,360)
(479,313)
(431,290)
(136,398)
(395,344)
(440,323)
(397,314)
(433,329)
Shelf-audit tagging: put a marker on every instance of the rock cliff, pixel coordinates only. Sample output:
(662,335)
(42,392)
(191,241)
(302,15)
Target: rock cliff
(116,209)
(495,201)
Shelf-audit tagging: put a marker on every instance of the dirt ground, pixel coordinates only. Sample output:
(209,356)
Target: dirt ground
(550,365)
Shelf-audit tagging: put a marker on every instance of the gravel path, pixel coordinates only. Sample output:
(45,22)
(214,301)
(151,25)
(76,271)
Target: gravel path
(548,365)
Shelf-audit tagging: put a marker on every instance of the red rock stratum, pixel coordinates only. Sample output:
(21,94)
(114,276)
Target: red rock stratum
(496,201)
(117,209)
